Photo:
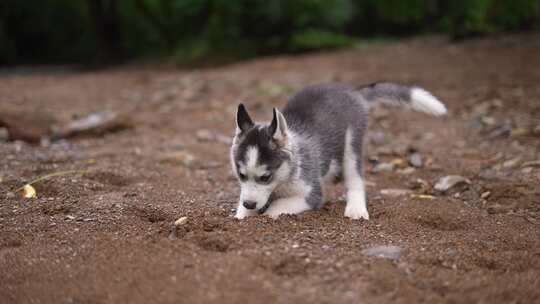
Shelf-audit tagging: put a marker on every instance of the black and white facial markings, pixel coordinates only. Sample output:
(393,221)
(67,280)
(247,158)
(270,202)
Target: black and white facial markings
(259,158)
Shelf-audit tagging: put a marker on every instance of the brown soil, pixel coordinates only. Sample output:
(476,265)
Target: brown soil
(108,237)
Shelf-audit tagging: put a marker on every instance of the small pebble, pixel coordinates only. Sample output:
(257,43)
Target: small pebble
(487,120)
(384,167)
(512,162)
(173,235)
(415,160)
(450,181)
(485,194)
(527,170)
(387,252)
(181,221)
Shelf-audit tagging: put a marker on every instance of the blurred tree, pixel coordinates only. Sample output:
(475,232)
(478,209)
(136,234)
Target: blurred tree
(36,31)
(49,31)
(106,21)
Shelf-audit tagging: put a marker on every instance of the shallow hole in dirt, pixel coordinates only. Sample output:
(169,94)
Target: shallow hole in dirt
(506,197)
(150,214)
(10,240)
(213,242)
(211,224)
(443,217)
(487,263)
(384,280)
(287,266)
(440,222)
(511,260)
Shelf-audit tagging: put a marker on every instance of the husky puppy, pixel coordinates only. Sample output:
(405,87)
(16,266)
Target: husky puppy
(317,138)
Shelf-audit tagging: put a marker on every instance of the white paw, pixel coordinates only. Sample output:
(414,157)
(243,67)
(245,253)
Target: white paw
(239,215)
(356,212)
(273,214)
(291,205)
(242,212)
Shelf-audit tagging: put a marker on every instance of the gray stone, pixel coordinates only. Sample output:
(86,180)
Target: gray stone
(378,138)
(387,252)
(487,120)
(450,181)
(173,234)
(512,162)
(384,167)
(527,170)
(415,160)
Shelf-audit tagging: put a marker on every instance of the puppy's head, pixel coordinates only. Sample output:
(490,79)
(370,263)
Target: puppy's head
(260,157)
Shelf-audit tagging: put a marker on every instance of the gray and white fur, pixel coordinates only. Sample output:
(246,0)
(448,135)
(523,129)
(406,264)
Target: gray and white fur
(283,167)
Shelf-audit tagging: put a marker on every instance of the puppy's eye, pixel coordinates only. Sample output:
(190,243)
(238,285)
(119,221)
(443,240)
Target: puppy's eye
(242,176)
(265,178)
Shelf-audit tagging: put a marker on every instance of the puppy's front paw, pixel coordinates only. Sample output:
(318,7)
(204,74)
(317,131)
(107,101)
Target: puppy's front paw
(239,215)
(272,214)
(356,212)
(242,212)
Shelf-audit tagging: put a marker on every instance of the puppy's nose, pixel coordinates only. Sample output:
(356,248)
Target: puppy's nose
(250,204)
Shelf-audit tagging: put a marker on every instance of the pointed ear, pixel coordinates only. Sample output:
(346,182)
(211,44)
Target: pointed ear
(278,128)
(243,121)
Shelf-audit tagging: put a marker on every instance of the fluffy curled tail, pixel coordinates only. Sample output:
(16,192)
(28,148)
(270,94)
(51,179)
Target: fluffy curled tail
(395,94)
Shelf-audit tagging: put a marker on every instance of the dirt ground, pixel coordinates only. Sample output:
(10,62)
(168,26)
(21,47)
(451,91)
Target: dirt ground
(105,233)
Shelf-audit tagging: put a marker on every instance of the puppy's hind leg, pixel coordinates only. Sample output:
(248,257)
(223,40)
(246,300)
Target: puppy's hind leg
(352,173)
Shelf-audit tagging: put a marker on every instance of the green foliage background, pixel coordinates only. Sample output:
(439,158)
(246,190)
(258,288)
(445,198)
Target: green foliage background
(53,31)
